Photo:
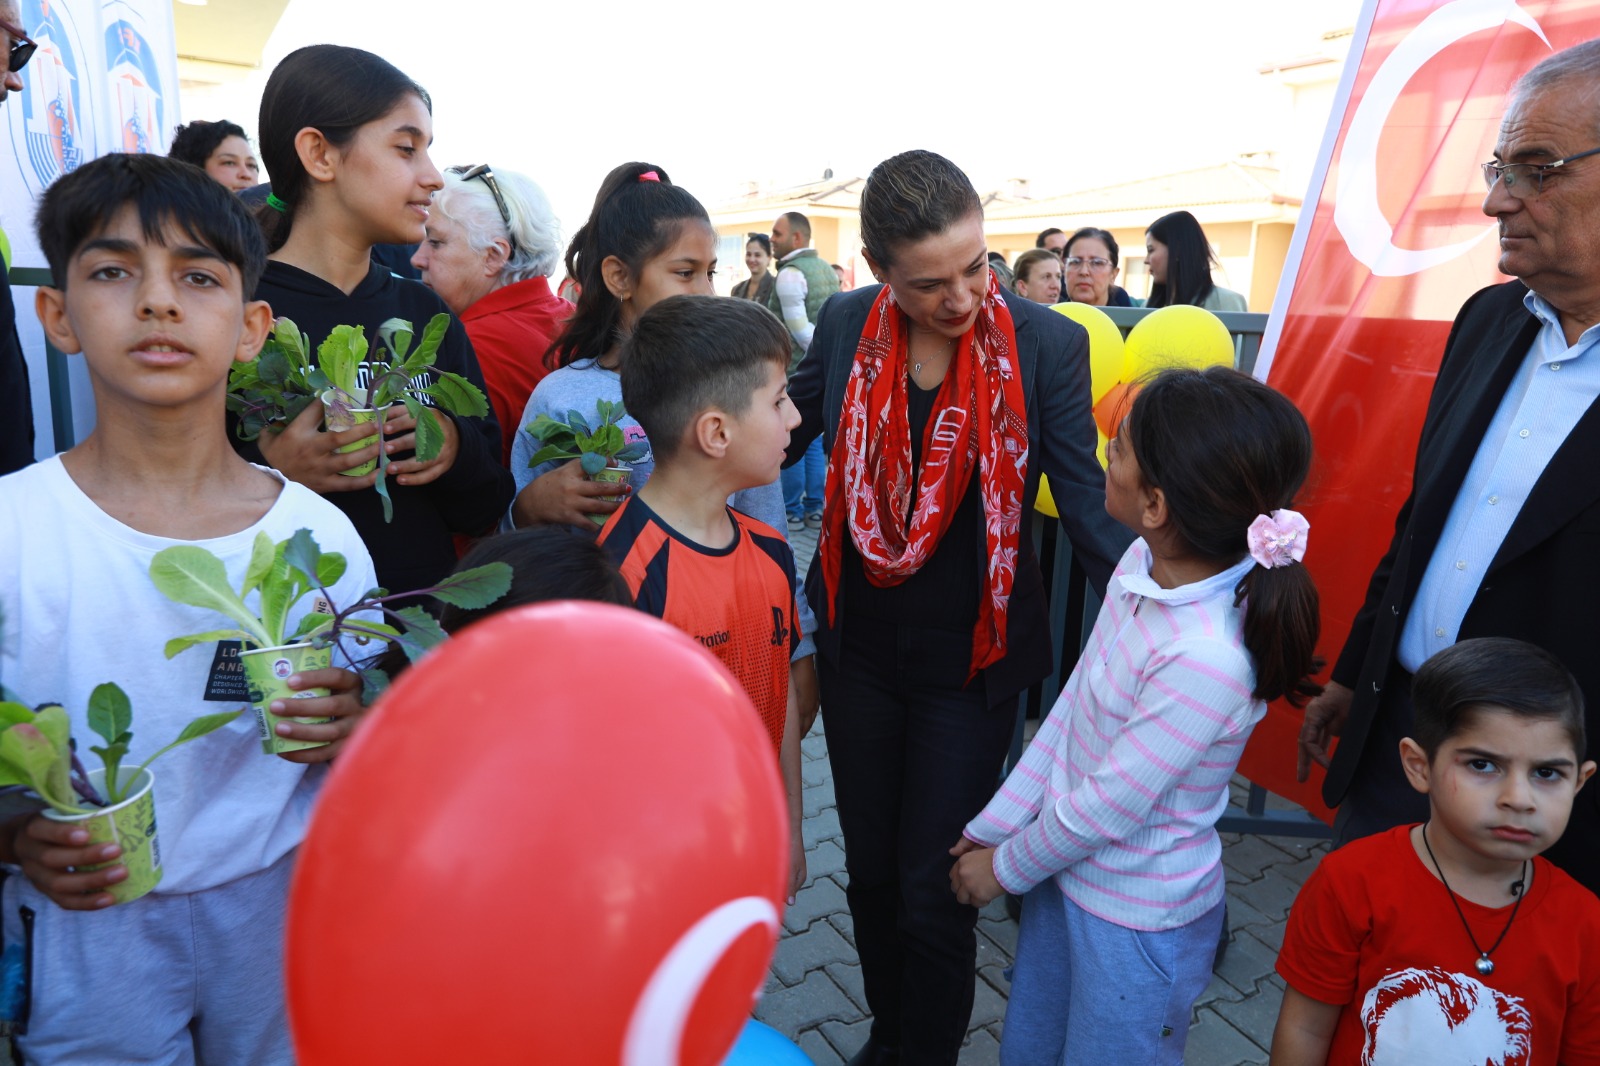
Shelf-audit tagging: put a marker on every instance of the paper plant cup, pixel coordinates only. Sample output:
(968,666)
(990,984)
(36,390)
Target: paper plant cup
(611,475)
(351,418)
(131,825)
(266,675)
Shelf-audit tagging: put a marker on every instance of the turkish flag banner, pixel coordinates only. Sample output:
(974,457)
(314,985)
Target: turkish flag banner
(1390,243)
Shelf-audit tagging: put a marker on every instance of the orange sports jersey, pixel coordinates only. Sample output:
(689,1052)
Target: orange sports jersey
(738,601)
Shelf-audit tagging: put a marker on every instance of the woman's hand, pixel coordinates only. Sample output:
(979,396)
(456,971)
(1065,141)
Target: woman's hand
(401,431)
(302,452)
(564,496)
(52,855)
(972,877)
(342,704)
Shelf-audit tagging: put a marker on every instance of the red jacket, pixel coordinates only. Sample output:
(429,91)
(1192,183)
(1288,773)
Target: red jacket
(510,330)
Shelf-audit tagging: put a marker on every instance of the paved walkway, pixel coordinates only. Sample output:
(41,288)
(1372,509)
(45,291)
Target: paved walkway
(814,996)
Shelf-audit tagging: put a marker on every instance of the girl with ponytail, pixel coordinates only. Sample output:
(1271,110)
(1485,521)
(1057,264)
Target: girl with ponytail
(1107,824)
(344,137)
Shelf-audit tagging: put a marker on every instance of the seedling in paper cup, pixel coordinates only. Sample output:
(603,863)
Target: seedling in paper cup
(602,451)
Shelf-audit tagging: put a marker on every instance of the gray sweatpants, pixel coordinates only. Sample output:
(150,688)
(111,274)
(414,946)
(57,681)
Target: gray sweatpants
(167,980)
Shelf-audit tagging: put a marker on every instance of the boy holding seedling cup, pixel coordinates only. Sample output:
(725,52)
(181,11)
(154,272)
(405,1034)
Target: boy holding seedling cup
(706,377)
(152,261)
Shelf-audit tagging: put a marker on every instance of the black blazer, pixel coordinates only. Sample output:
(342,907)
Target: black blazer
(1542,584)
(1053,354)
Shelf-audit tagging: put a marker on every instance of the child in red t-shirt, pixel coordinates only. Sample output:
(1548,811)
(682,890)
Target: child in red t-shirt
(705,377)
(1453,941)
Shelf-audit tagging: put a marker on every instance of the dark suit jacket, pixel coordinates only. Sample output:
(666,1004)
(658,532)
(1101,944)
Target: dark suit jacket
(1053,354)
(1544,582)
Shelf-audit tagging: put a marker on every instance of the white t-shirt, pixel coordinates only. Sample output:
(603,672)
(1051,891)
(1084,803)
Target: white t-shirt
(77,608)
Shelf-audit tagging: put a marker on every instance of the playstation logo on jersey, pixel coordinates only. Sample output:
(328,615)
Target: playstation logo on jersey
(780,628)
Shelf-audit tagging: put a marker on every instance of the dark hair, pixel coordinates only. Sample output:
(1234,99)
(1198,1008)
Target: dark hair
(1189,261)
(1224,448)
(762,239)
(688,354)
(334,89)
(911,196)
(165,192)
(1029,259)
(557,562)
(634,220)
(1493,673)
(1101,235)
(798,223)
(1044,235)
(195,142)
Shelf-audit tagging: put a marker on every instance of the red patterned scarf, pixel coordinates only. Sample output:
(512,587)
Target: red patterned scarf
(979,419)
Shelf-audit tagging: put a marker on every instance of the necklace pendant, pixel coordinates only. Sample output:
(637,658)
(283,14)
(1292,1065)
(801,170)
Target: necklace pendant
(1484,965)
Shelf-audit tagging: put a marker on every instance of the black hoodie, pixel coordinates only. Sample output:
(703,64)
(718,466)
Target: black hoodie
(417,548)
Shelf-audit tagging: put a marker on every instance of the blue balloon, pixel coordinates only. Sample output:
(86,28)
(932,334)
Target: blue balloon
(762,1045)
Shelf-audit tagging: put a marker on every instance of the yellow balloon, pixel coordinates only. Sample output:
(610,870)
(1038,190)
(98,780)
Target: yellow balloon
(1045,503)
(1100,448)
(1180,335)
(1105,345)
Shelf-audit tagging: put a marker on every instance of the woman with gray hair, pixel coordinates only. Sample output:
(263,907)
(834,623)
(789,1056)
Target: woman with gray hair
(491,246)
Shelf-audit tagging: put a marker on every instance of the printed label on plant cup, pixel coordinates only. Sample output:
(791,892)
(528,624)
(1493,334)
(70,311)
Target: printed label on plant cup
(266,674)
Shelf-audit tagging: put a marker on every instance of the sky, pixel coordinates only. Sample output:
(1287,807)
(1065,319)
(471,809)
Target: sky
(1068,95)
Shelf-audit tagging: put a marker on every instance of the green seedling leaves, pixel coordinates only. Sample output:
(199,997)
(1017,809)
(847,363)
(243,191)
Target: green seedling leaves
(458,396)
(110,712)
(196,729)
(592,463)
(395,335)
(429,435)
(302,552)
(475,588)
(340,357)
(422,632)
(32,756)
(111,757)
(382,485)
(261,555)
(189,574)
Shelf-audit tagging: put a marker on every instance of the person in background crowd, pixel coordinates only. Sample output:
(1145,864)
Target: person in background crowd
(1002,270)
(757,258)
(805,281)
(1179,259)
(1038,276)
(1053,239)
(220,149)
(1090,269)
(1497,537)
(923,645)
(16,399)
(492,243)
(844,279)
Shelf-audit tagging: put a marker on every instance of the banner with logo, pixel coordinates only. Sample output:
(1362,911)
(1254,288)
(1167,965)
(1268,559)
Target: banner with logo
(1390,243)
(105,79)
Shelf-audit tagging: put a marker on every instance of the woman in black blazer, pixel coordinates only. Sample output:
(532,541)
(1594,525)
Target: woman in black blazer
(940,399)
(757,257)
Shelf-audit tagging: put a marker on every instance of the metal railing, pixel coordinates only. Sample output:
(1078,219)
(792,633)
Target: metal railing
(1073,607)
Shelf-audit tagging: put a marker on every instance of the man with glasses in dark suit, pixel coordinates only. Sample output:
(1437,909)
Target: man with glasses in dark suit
(1501,533)
(16,402)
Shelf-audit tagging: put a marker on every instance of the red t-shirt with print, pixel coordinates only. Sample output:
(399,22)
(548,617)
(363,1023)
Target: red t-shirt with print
(1373,930)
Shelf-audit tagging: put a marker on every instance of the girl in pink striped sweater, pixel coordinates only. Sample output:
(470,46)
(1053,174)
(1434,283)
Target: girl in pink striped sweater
(1107,823)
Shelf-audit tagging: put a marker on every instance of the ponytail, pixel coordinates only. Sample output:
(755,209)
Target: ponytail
(1225,448)
(333,89)
(635,218)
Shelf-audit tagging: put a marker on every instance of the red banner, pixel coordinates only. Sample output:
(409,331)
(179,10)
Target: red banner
(1392,240)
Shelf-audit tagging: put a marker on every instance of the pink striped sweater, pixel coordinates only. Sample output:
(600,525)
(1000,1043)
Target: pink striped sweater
(1118,795)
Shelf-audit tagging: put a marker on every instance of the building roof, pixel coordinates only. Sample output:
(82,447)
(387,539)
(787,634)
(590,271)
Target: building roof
(1223,184)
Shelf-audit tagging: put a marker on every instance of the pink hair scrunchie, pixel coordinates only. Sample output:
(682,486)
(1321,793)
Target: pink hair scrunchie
(1278,539)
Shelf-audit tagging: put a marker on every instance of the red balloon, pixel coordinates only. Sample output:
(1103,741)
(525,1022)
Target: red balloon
(560,838)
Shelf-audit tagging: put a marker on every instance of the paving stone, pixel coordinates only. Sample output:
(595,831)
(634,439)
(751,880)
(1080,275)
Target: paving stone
(988,1006)
(815,797)
(981,1049)
(1253,855)
(847,975)
(1248,962)
(815,771)
(826,859)
(1240,914)
(811,950)
(996,977)
(1213,1042)
(1004,934)
(845,924)
(1271,894)
(806,1005)
(1216,991)
(814,746)
(824,826)
(847,1037)
(990,956)
(1255,1016)
(817,1048)
(817,900)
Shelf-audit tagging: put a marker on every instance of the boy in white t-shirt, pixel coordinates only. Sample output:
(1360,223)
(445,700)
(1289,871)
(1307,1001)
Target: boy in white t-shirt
(152,262)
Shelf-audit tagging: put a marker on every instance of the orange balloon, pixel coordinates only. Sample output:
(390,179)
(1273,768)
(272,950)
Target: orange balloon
(560,838)
(1114,407)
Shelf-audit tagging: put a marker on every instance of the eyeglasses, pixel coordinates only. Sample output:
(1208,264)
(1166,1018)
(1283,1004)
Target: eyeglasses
(483,172)
(1097,265)
(22,48)
(1523,180)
